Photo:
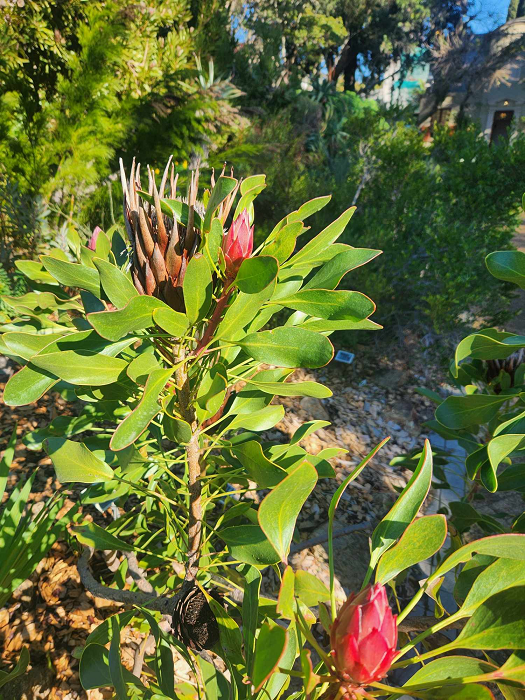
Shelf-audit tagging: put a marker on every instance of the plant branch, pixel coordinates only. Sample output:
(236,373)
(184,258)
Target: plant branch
(214,321)
(131,598)
(194,482)
(137,574)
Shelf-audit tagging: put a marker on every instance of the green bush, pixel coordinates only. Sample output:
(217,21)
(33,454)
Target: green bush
(434,209)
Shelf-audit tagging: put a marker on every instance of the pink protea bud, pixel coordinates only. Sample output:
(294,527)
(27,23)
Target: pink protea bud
(364,637)
(92,245)
(237,244)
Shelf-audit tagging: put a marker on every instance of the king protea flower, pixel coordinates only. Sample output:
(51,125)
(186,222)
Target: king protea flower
(237,245)
(364,637)
(162,246)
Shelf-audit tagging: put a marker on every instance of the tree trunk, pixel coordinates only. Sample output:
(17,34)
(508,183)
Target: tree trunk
(347,65)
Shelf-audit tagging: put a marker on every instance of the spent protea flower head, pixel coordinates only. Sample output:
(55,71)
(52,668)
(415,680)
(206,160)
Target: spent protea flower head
(162,244)
(165,232)
(364,637)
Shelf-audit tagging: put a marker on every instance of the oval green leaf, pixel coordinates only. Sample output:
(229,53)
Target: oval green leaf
(279,510)
(289,347)
(421,540)
(74,462)
(256,273)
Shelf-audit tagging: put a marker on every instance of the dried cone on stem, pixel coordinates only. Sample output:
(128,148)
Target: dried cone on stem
(162,246)
(364,638)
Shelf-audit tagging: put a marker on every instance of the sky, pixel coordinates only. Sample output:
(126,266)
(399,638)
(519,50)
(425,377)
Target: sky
(490,14)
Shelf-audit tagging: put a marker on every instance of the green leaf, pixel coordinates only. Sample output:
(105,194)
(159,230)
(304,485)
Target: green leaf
(335,305)
(250,606)
(141,367)
(323,325)
(252,181)
(26,386)
(74,462)
(35,271)
(249,544)
(514,668)
(230,634)
(265,473)
(135,316)
(289,347)
(280,508)
(256,273)
(18,670)
(485,345)
(115,667)
(173,322)
(138,420)
(73,275)
(97,537)
(118,288)
(82,368)
(103,633)
(28,344)
(404,509)
(310,589)
(285,601)
(455,692)
(496,624)
(163,662)
(278,681)
(498,449)
(511,546)
(241,312)
(264,419)
(283,245)
(332,272)
(459,412)
(319,391)
(247,197)
(177,430)
(508,265)
(6,461)
(309,208)
(213,241)
(323,240)
(449,669)
(421,540)
(94,667)
(217,687)
(307,429)
(197,287)
(501,574)
(269,650)
(222,189)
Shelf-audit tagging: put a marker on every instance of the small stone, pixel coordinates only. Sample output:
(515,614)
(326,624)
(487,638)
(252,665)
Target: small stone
(314,408)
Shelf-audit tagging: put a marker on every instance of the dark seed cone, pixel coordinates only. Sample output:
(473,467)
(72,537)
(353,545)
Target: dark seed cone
(509,365)
(161,246)
(193,621)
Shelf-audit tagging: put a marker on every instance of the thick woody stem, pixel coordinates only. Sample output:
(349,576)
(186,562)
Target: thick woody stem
(194,473)
(195,511)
